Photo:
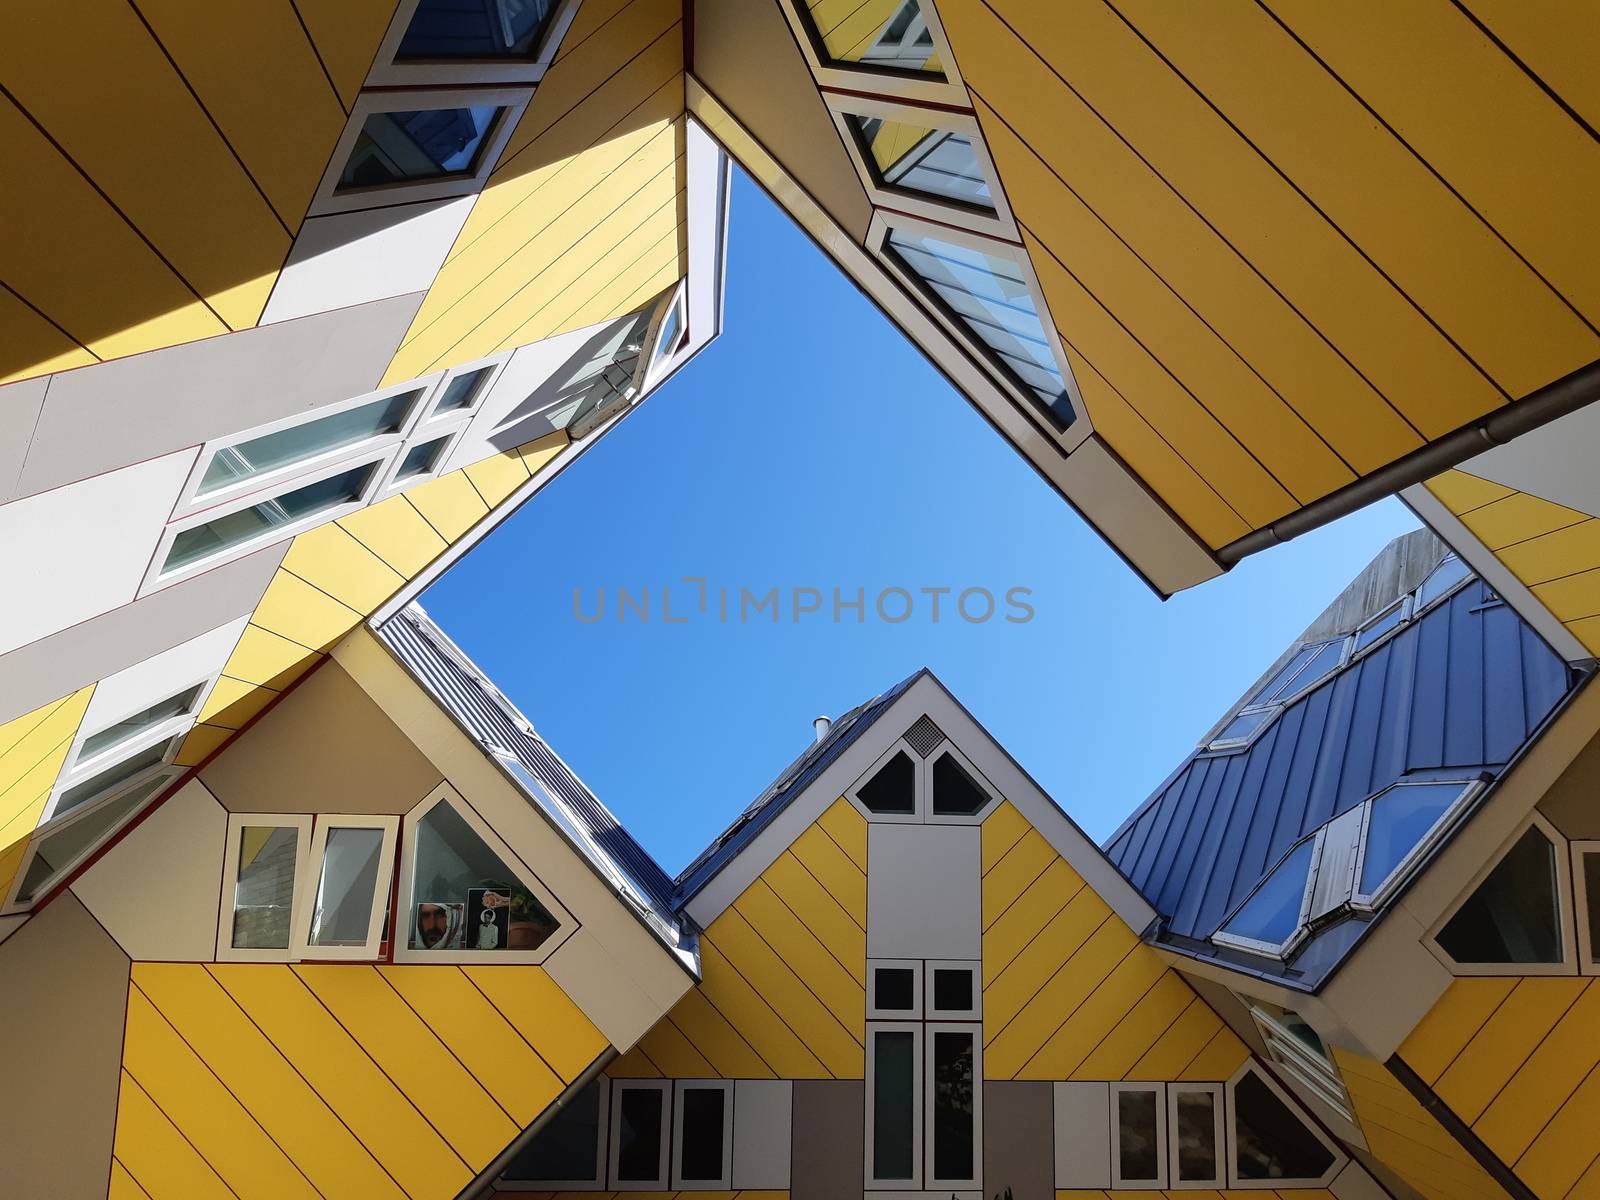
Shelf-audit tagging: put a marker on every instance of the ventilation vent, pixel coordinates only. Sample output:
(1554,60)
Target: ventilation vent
(924,736)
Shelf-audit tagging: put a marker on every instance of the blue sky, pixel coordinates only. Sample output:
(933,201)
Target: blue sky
(812,446)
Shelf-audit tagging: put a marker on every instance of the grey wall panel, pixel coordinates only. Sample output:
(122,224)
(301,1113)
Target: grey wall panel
(763,1119)
(20,404)
(1570,803)
(98,418)
(63,996)
(62,663)
(830,1132)
(924,892)
(1019,1140)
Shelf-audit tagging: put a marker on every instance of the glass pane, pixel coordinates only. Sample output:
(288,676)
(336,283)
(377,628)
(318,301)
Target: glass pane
(1138,1150)
(1242,726)
(671,327)
(952,989)
(639,1136)
(1273,913)
(894,1084)
(935,162)
(953,1124)
(214,537)
(131,727)
(443,30)
(348,887)
(1197,1136)
(1591,895)
(567,1149)
(1400,819)
(955,793)
(1441,579)
(894,989)
(1323,664)
(461,391)
(263,896)
(421,458)
(894,788)
(989,295)
(1271,1141)
(103,781)
(307,440)
(464,896)
(702,1134)
(1514,916)
(405,147)
(58,849)
(1283,675)
(891,35)
(1380,626)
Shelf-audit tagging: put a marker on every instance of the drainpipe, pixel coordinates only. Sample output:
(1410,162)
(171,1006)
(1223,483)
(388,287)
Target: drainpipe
(1459,1129)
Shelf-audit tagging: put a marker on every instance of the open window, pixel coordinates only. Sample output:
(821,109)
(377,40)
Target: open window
(1195,1126)
(260,872)
(1296,1047)
(702,1134)
(1273,1145)
(641,1111)
(343,907)
(1513,919)
(570,1151)
(465,897)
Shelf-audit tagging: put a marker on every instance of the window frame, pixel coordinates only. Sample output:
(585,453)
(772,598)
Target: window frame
(1404,604)
(192,502)
(1576,849)
(1283,951)
(1565,903)
(404,899)
(918,1106)
(883,224)
(944,1016)
(948,747)
(171,732)
(1274,707)
(428,431)
(918,794)
(1159,1183)
(1471,790)
(830,73)
(387,72)
(1219,1135)
(619,1088)
(1340,1158)
(930,1030)
(302,822)
(1320,1075)
(660,361)
(81,767)
(724,1181)
(922,787)
(496,364)
(326,200)
(874,1013)
(1418,607)
(371,950)
(926,205)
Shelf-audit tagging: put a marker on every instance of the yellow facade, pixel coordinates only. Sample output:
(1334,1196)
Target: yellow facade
(33,748)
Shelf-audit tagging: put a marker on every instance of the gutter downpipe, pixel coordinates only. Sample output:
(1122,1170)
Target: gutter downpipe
(1458,1129)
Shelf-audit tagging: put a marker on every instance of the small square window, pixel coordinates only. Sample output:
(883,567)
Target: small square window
(421,459)
(952,989)
(418,145)
(895,989)
(462,391)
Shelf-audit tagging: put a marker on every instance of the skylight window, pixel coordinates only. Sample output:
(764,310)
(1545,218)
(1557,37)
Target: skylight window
(1382,624)
(1402,821)
(417,145)
(931,161)
(1270,918)
(1442,579)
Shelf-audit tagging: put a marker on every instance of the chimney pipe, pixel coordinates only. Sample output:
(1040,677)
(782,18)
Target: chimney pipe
(821,725)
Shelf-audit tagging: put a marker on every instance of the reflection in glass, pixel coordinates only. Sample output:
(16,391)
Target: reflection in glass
(1399,820)
(935,162)
(445,30)
(893,1095)
(989,295)
(306,440)
(1242,726)
(1514,916)
(1271,1141)
(1379,626)
(1197,1136)
(263,894)
(407,147)
(451,861)
(421,459)
(462,391)
(953,1123)
(1272,914)
(236,528)
(1441,579)
(59,849)
(129,728)
(103,781)
(348,888)
(1138,1149)
(890,35)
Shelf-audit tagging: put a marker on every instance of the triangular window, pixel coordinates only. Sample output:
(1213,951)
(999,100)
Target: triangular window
(893,790)
(1514,916)
(60,847)
(955,792)
(1271,1142)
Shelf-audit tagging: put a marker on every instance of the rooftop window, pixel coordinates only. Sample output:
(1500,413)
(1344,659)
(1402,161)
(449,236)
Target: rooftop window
(1270,918)
(445,30)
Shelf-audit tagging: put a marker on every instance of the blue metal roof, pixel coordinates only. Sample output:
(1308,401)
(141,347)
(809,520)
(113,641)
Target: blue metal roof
(1460,689)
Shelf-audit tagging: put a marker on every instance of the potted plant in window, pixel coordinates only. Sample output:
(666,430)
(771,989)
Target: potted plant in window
(531,922)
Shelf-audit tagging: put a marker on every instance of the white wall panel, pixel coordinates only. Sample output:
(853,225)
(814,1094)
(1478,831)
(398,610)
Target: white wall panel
(81,550)
(924,891)
(162,676)
(763,1120)
(1083,1135)
(1555,462)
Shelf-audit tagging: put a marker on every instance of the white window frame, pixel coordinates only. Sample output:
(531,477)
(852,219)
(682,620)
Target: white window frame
(597,1182)
(1275,707)
(1580,903)
(1471,789)
(1320,1075)
(878,231)
(171,732)
(311,882)
(386,72)
(428,431)
(405,900)
(946,1015)
(724,1181)
(1279,950)
(660,359)
(881,80)
(948,747)
(237,822)
(874,1013)
(156,577)
(1340,1158)
(1160,1181)
(919,787)
(1218,1135)
(1356,651)
(191,501)
(1564,910)
(926,205)
(327,200)
(975,1031)
(43,831)
(1419,607)
(918,1105)
(80,767)
(496,364)
(619,1088)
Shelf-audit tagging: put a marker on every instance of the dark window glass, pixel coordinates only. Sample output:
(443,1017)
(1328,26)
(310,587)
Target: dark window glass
(568,1148)
(421,459)
(1273,913)
(1400,819)
(1591,892)
(462,390)
(443,30)
(894,788)
(894,989)
(952,989)
(702,1134)
(893,1097)
(639,1136)
(953,1124)
(1138,1149)
(1272,1142)
(1197,1136)
(955,793)
(1514,916)
(406,147)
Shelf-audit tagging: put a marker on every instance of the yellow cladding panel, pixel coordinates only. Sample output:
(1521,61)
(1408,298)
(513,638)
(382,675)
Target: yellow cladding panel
(497,476)
(294,609)
(32,345)
(1451,1024)
(1461,493)
(543,1014)
(104,89)
(346,34)
(335,562)
(542,451)
(123,1185)
(397,533)
(1555,40)
(155,1153)
(267,658)
(33,749)
(450,504)
(233,703)
(203,741)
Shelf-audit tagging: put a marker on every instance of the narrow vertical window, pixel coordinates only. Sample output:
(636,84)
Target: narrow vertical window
(1197,1121)
(953,1110)
(1138,1153)
(639,1134)
(703,1133)
(893,1110)
(1591,894)
(348,899)
(263,891)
